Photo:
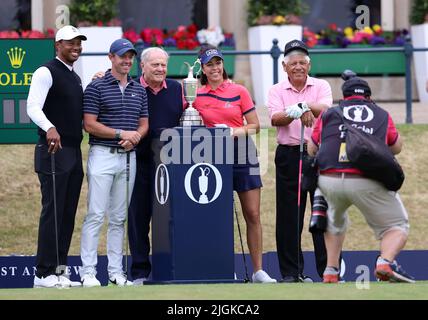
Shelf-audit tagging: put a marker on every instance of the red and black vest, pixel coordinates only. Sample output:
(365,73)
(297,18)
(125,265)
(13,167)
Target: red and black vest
(363,114)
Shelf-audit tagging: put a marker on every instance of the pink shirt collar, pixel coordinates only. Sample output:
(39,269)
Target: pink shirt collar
(223,87)
(154,90)
(288,86)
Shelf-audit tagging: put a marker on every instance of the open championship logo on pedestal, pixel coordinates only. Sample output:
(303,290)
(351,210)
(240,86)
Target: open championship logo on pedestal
(162,184)
(198,182)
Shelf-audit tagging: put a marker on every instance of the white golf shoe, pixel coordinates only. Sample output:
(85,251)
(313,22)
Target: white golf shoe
(262,277)
(65,282)
(119,280)
(46,282)
(89,280)
(139,281)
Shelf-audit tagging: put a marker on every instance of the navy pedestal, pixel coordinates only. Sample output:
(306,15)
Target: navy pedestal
(192,223)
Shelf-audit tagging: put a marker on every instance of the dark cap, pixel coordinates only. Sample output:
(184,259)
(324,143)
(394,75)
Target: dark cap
(356,87)
(209,54)
(121,46)
(295,45)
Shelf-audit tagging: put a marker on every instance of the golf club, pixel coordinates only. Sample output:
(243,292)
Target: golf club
(299,195)
(58,268)
(247,279)
(126,218)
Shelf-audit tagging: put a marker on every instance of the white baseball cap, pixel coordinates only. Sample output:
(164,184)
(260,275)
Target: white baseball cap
(68,33)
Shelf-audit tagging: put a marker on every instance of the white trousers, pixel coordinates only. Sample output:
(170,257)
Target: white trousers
(106,174)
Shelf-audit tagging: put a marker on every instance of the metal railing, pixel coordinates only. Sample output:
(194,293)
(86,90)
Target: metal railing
(275,52)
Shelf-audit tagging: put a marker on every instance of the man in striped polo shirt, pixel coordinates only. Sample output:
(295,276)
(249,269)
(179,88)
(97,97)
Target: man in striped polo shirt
(116,117)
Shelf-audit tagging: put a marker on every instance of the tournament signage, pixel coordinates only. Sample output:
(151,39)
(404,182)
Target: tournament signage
(203,179)
(19,58)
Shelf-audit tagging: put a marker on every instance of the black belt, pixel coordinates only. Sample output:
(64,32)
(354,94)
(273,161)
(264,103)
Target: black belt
(117,150)
(296,147)
(113,149)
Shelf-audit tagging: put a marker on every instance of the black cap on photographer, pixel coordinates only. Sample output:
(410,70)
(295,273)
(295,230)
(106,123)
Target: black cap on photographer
(356,87)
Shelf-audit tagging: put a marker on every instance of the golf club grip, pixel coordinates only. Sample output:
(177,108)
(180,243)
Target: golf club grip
(53,163)
(302,138)
(128,154)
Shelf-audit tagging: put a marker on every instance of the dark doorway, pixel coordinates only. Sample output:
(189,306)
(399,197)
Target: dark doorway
(15,15)
(163,14)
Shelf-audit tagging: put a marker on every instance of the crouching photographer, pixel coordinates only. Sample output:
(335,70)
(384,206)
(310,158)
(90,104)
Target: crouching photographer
(343,183)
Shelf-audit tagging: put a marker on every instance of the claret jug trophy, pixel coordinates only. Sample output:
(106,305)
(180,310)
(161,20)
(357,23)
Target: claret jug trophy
(191,116)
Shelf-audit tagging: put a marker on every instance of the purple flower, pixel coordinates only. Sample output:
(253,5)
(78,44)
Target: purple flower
(400,41)
(375,40)
(169,42)
(229,42)
(346,42)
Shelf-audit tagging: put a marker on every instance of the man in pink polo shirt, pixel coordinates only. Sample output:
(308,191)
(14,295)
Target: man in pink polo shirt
(294,102)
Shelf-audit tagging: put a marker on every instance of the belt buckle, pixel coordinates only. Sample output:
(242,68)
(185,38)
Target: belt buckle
(117,150)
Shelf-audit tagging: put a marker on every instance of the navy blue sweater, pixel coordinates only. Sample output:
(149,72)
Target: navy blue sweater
(165,109)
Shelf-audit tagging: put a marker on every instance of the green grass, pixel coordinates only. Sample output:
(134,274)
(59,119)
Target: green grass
(298,291)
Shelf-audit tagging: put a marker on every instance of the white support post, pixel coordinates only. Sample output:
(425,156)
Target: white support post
(387,14)
(213,13)
(37,15)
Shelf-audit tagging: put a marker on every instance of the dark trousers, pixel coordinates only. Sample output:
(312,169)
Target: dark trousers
(288,238)
(139,216)
(68,183)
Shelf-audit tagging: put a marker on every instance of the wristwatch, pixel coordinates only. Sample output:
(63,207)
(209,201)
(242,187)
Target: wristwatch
(117,134)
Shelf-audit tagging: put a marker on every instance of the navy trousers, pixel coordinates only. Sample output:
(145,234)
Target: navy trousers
(139,217)
(288,238)
(68,183)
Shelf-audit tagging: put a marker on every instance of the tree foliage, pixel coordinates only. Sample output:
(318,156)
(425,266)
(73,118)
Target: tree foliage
(93,11)
(419,12)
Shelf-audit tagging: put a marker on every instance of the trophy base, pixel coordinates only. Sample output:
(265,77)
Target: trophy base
(191,117)
(190,123)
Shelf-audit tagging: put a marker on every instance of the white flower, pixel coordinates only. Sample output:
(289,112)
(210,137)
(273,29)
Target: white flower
(213,36)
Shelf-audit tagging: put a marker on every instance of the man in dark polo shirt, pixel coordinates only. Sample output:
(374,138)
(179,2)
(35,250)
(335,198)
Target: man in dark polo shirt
(343,185)
(165,103)
(116,117)
(165,106)
(54,104)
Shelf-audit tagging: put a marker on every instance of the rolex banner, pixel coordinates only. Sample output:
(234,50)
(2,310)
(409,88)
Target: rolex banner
(19,59)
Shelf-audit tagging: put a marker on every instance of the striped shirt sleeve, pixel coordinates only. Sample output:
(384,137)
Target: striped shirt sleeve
(91,99)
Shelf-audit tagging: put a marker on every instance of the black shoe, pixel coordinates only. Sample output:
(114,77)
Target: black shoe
(305,279)
(289,279)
